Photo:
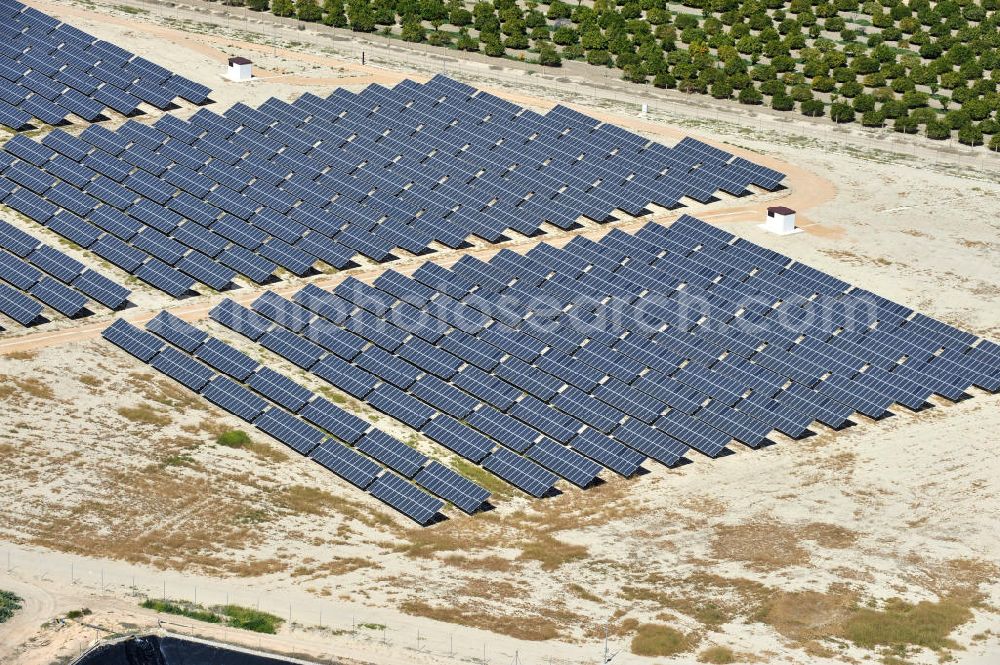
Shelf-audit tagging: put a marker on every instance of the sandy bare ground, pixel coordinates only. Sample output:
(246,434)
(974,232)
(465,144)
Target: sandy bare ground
(110,470)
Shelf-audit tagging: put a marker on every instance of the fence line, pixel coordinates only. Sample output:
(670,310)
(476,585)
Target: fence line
(332,631)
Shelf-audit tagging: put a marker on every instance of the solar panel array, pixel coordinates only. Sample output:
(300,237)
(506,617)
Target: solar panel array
(50,70)
(563,362)
(318,345)
(292,185)
(309,424)
(39,275)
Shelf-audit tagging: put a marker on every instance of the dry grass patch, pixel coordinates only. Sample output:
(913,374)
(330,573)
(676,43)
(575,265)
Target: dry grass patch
(165,392)
(12,387)
(91,381)
(496,564)
(26,354)
(145,414)
(766,544)
(336,567)
(582,593)
(830,536)
(551,552)
(900,624)
(710,599)
(302,499)
(762,544)
(809,615)
(653,639)
(718,655)
(520,626)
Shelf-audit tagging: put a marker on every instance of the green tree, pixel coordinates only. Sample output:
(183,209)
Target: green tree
(433,11)
(308,10)
(412,29)
(333,13)
(361,16)
(840,112)
(466,42)
(559,9)
(548,56)
(938,130)
(905,125)
(460,17)
(493,47)
(872,118)
(812,108)
(750,95)
(599,57)
(282,7)
(259,5)
(970,135)
(782,102)
(722,89)
(995,143)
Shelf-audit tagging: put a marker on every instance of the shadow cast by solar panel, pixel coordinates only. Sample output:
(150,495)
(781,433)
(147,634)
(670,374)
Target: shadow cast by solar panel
(231,286)
(486,507)
(596,482)
(311,272)
(207,102)
(38,321)
(552,493)
(190,293)
(725,452)
(437,519)
(272,279)
(766,443)
(537,233)
(681,462)
(964,396)
(847,424)
(920,409)
(82,314)
(885,416)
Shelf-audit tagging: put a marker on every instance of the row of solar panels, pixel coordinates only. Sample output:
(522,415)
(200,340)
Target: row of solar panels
(455,426)
(50,70)
(205,200)
(38,275)
(356,451)
(443,347)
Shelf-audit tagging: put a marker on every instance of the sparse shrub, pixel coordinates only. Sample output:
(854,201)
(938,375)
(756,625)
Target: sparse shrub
(717,655)
(233,439)
(653,639)
(9,604)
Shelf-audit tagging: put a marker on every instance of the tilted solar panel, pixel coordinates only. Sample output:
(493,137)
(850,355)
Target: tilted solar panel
(452,487)
(521,473)
(349,465)
(294,433)
(136,342)
(404,497)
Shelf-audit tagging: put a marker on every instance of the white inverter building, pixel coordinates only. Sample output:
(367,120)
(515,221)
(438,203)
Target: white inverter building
(240,69)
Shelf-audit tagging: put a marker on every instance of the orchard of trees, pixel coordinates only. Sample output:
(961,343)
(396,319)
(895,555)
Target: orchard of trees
(916,66)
